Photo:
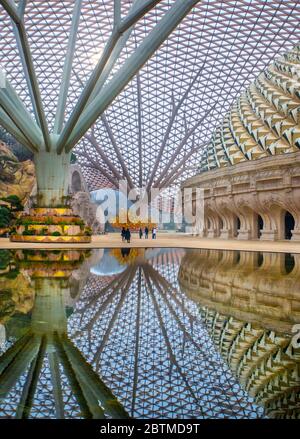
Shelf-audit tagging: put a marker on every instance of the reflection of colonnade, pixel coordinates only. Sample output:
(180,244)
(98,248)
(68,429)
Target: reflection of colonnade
(249,304)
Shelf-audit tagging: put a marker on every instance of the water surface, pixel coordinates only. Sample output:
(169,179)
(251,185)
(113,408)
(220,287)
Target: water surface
(149,333)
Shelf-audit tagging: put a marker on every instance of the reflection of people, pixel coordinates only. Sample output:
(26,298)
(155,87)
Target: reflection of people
(123,234)
(146,232)
(154,233)
(125,252)
(127,235)
(141,233)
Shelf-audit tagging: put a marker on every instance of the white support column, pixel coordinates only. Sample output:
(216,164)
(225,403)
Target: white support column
(63,94)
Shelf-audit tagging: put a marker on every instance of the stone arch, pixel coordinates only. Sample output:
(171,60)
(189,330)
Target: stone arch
(260,225)
(76,182)
(289,224)
(213,223)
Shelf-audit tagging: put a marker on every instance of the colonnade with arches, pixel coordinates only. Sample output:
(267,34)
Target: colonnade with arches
(254,200)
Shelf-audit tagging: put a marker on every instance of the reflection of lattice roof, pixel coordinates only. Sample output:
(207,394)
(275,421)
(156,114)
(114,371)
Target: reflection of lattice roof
(143,336)
(231,42)
(151,348)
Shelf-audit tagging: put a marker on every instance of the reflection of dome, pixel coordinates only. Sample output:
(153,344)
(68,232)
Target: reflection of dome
(108,266)
(265,363)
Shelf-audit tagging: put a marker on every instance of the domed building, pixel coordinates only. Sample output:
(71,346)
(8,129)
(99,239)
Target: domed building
(250,172)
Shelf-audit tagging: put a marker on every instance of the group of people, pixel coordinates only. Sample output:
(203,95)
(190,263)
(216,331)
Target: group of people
(141,233)
(126,234)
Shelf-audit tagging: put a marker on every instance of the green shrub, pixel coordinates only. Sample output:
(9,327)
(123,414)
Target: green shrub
(49,221)
(13,274)
(28,232)
(56,234)
(15,202)
(5,216)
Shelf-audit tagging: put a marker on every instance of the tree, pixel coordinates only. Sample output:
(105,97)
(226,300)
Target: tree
(5,217)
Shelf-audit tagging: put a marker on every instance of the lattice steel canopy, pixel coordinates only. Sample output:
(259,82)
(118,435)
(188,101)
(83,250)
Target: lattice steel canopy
(156,130)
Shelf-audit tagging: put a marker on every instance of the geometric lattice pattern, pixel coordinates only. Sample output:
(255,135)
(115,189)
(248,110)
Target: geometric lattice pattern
(146,340)
(264,121)
(158,128)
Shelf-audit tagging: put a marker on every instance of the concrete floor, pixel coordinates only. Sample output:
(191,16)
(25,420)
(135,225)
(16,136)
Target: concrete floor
(173,240)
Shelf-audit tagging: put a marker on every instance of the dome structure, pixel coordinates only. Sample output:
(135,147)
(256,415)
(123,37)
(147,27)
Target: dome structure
(264,121)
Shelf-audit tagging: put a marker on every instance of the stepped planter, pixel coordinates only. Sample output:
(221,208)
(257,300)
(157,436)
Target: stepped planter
(50,225)
(50,263)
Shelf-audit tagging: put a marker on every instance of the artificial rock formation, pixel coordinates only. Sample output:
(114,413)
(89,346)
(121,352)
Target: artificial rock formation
(75,222)
(81,202)
(252,183)
(16,178)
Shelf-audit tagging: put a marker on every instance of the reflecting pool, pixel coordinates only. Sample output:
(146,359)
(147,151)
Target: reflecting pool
(149,333)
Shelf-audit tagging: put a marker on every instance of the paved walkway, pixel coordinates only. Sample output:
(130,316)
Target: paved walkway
(170,240)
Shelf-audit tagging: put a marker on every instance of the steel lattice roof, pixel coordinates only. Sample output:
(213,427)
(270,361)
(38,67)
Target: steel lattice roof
(207,62)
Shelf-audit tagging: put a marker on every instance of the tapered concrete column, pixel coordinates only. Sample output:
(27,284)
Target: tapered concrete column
(52,173)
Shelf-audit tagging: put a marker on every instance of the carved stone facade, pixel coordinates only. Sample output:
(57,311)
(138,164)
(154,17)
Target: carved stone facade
(252,200)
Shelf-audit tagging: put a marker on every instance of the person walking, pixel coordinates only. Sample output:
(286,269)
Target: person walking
(146,232)
(127,235)
(123,233)
(141,233)
(154,233)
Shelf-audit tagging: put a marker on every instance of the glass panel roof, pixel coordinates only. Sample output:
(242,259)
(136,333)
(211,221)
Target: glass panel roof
(160,124)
